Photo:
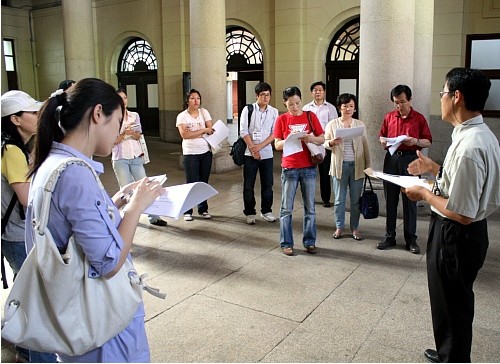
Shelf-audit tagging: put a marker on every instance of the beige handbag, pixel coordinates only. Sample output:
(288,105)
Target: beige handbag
(54,306)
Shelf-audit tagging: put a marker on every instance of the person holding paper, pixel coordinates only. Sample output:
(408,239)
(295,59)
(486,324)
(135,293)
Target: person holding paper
(258,135)
(465,193)
(349,158)
(82,122)
(325,112)
(193,123)
(404,120)
(296,169)
(126,157)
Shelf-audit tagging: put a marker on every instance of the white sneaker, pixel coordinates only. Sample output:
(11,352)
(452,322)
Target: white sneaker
(206,215)
(188,217)
(268,216)
(251,219)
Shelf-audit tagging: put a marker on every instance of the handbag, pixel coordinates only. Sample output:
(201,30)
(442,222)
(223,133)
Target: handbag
(318,152)
(54,305)
(368,202)
(239,146)
(144,147)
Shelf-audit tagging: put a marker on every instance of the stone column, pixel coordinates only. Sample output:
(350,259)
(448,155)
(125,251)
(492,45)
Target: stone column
(422,71)
(79,55)
(208,65)
(386,59)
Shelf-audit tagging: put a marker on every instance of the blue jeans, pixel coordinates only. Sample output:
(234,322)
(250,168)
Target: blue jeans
(197,168)
(340,191)
(290,179)
(15,254)
(128,171)
(250,169)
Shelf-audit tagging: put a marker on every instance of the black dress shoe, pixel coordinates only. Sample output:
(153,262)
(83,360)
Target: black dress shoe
(385,244)
(432,356)
(415,249)
(158,222)
(327,204)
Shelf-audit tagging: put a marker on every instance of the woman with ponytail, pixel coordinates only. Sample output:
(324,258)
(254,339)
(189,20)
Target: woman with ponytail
(81,122)
(19,124)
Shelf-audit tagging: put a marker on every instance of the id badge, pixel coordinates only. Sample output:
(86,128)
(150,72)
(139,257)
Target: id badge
(257,136)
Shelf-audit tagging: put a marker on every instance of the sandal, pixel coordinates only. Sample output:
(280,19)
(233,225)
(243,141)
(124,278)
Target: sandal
(287,250)
(337,234)
(357,236)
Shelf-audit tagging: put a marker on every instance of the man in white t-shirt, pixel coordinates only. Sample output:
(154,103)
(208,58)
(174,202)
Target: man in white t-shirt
(258,136)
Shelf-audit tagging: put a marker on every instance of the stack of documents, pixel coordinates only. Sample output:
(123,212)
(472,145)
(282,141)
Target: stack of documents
(403,181)
(181,198)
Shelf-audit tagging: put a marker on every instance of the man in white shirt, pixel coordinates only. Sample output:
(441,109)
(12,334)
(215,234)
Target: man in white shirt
(258,136)
(325,112)
(465,193)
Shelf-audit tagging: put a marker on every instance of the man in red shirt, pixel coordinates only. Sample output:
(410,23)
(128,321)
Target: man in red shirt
(404,120)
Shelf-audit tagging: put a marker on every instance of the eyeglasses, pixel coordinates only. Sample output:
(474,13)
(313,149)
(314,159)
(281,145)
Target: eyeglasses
(442,93)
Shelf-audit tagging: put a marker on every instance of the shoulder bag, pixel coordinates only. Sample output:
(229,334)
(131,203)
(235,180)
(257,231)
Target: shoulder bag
(318,152)
(239,146)
(54,306)
(368,202)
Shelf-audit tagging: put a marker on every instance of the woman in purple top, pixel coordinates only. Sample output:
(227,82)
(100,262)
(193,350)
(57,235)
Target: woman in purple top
(81,122)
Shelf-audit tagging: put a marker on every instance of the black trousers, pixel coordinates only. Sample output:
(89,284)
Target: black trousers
(398,165)
(455,253)
(325,180)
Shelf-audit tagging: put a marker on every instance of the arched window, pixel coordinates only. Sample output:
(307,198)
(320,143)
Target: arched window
(345,44)
(242,49)
(342,62)
(137,55)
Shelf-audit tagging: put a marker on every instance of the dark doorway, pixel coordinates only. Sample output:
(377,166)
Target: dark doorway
(138,75)
(342,64)
(243,57)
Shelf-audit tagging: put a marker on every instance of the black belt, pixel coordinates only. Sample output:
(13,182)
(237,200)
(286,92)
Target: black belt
(405,152)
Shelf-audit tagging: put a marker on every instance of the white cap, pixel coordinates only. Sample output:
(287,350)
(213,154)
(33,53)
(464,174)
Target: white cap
(16,101)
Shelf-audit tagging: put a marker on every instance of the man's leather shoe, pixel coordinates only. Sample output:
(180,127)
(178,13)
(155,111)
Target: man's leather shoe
(385,244)
(432,356)
(414,248)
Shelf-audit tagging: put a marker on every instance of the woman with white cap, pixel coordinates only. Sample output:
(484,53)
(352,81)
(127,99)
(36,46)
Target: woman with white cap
(19,124)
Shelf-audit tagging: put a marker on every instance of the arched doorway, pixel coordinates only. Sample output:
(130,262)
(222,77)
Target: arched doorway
(342,62)
(245,67)
(137,73)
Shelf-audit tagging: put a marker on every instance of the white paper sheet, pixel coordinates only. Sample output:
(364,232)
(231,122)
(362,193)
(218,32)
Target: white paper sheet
(293,144)
(178,199)
(221,132)
(394,143)
(349,132)
(403,181)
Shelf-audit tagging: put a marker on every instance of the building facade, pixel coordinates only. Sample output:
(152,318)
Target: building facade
(160,48)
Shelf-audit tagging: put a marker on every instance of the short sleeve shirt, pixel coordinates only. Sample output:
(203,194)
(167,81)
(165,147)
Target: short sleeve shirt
(471,171)
(197,145)
(128,148)
(414,125)
(14,170)
(285,124)
(261,122)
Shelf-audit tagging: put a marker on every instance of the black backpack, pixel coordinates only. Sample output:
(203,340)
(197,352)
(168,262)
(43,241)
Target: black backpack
(239,146)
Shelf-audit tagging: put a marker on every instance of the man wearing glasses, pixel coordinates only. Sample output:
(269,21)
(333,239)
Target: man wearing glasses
(325,112)
(468,193)
(257,132)
(404,120)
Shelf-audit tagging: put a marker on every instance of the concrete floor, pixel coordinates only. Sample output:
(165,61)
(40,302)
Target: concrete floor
(232,296)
